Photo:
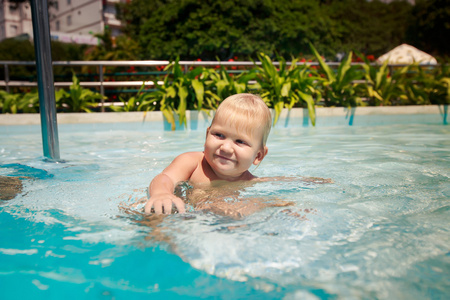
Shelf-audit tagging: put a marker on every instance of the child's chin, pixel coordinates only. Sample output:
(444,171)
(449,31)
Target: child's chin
(225,165)
(225,172)
(224,162)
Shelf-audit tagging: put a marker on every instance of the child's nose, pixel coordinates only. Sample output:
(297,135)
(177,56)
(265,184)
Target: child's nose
(226,146)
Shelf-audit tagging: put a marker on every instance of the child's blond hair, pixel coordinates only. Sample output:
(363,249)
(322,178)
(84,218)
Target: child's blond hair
(246,112)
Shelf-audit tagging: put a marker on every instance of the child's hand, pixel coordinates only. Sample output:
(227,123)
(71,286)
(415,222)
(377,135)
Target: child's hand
(162,203)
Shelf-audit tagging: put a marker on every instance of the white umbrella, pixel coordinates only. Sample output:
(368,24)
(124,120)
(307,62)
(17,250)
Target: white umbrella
(406,54)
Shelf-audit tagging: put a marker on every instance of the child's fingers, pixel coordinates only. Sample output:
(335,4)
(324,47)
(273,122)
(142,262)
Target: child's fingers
(167,205)
(158,206)
(148,206)
(180,205)
(164,205)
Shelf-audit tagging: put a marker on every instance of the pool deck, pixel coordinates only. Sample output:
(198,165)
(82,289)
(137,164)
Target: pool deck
(324,116)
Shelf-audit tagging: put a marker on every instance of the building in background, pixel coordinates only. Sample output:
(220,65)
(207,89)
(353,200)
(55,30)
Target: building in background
(71,21)
(15,20)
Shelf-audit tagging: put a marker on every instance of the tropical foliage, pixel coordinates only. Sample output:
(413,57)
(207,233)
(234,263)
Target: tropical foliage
(281,84)
(10,103)
(138,102)
(182,91)
(284,86)
(381,88)
(77,99)
(339,88)
(225,84)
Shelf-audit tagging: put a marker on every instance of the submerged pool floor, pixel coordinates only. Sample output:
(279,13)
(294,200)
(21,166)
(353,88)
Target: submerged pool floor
(380,231)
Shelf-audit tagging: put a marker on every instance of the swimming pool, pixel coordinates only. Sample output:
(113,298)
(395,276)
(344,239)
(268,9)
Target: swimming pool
(380,231)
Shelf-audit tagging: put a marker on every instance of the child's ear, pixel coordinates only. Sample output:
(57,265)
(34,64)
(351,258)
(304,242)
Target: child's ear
(260,155)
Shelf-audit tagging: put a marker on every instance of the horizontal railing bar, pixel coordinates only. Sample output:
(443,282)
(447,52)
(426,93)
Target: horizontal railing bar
(82,83)
(92,63)
(184,63)
(18,83)
(88,83)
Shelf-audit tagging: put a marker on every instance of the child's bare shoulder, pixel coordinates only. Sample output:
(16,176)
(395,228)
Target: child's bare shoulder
(187,161)
(190,156)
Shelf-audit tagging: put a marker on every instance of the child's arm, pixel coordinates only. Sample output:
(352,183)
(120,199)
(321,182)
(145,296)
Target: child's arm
(162,186)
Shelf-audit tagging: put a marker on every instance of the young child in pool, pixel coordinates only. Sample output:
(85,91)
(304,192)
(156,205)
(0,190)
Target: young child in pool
(235,141)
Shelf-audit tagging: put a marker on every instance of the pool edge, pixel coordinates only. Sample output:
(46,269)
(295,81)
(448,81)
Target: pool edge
(157,116)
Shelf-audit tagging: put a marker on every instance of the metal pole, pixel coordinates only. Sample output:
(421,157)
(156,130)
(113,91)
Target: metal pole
(6,78)
(102,89)
(46,89)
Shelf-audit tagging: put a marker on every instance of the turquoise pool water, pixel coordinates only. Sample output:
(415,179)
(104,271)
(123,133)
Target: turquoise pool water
(380,231)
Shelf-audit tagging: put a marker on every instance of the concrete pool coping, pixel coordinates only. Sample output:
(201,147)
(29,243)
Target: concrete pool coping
(322,114)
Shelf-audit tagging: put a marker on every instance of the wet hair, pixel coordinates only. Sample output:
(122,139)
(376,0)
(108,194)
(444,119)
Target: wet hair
(246,112)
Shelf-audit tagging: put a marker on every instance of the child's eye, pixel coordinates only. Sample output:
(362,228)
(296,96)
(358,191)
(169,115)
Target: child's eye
(241,142)
(219,135)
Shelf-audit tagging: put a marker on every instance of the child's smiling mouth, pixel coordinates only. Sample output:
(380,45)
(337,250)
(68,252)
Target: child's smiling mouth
(221,157)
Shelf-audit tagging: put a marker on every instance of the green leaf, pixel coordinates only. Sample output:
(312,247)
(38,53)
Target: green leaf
(311,106)
(240,87)
(171,92)
(330,74)
(344,67)
(182,93)
(278,109)
(286,89)
(168,114)
(194,73)
(199,92)
(381,75)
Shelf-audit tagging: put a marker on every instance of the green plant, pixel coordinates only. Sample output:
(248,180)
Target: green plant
(182,91)
(339,88)
(415,85)
(421,86)
(282,86)
(306,87)
(226,84)
(9,102)
(444,90)
(78,99)
(437,84)
(29,102)
(381,87)
(138,102)
(441,91)
(19,103)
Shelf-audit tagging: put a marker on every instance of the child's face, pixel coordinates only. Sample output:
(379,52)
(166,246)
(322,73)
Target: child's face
(231,152)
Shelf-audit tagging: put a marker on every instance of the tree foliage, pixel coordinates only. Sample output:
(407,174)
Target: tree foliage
(13,49)
(209,29)
(370,27)
(430,29)
(123,48)
(223,29)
